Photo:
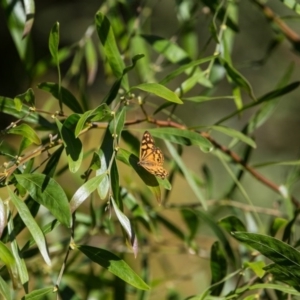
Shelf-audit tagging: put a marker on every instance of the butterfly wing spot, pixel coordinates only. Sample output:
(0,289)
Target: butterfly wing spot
(151,157)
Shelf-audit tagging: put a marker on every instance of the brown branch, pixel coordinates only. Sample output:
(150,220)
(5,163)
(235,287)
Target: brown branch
(289,33)
(234,156)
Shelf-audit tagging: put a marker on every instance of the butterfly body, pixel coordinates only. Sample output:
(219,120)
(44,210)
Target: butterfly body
(151,157)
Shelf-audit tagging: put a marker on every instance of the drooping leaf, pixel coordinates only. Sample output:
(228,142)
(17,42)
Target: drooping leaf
(104,185)
(187,174)
(84,191)
(32,226)
(114,264)
(91,61)
(54,42)
(218,267)
(29,7)
(125,223)
(27,132)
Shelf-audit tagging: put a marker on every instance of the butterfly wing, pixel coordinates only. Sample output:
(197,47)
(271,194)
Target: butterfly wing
(151,157)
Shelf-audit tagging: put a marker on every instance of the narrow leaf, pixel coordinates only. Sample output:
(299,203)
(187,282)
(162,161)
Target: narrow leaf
(235,134)
(114,264)
(29,6)
(27,132)
(187,175)
(84,191)
(39,294)
(54,41)
(32,226)
(159,90)
(4,289)
(111,51)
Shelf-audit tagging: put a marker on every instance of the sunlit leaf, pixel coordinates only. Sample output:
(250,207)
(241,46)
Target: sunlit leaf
(27,132)
(48,193)
(84,191)
(32,226)
(158,90)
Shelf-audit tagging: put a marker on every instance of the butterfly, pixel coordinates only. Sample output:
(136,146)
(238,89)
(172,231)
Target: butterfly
(151,157)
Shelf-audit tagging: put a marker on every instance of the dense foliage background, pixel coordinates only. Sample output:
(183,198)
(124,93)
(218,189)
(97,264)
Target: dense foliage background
(216,83)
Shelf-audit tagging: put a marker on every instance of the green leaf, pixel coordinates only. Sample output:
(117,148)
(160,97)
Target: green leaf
(263,286)
(135,59)
(114,264)
(200,99)
(125,223)
(185,67)
(117,124)
(158,90)
(48,193)
(8,106)
(3,217)
(235,134)
(192,222)
(91,60)
(27,132)
(27,97)
(54,41)
(111,51)
(187,174)
(218,268)
(84,191)
(29,7)
(94,115)
(292,4)
(171,227)
(32,226)
(277,224)
(39,294)
(277,251)
(4,289)
(172,134)
(103,187)
(267,97)
(257,268)
(238,78)
(72,144)
(232,223)
(15,15)
(20,262)
(170,50)
(215,227)
(66,96)
(6,256)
